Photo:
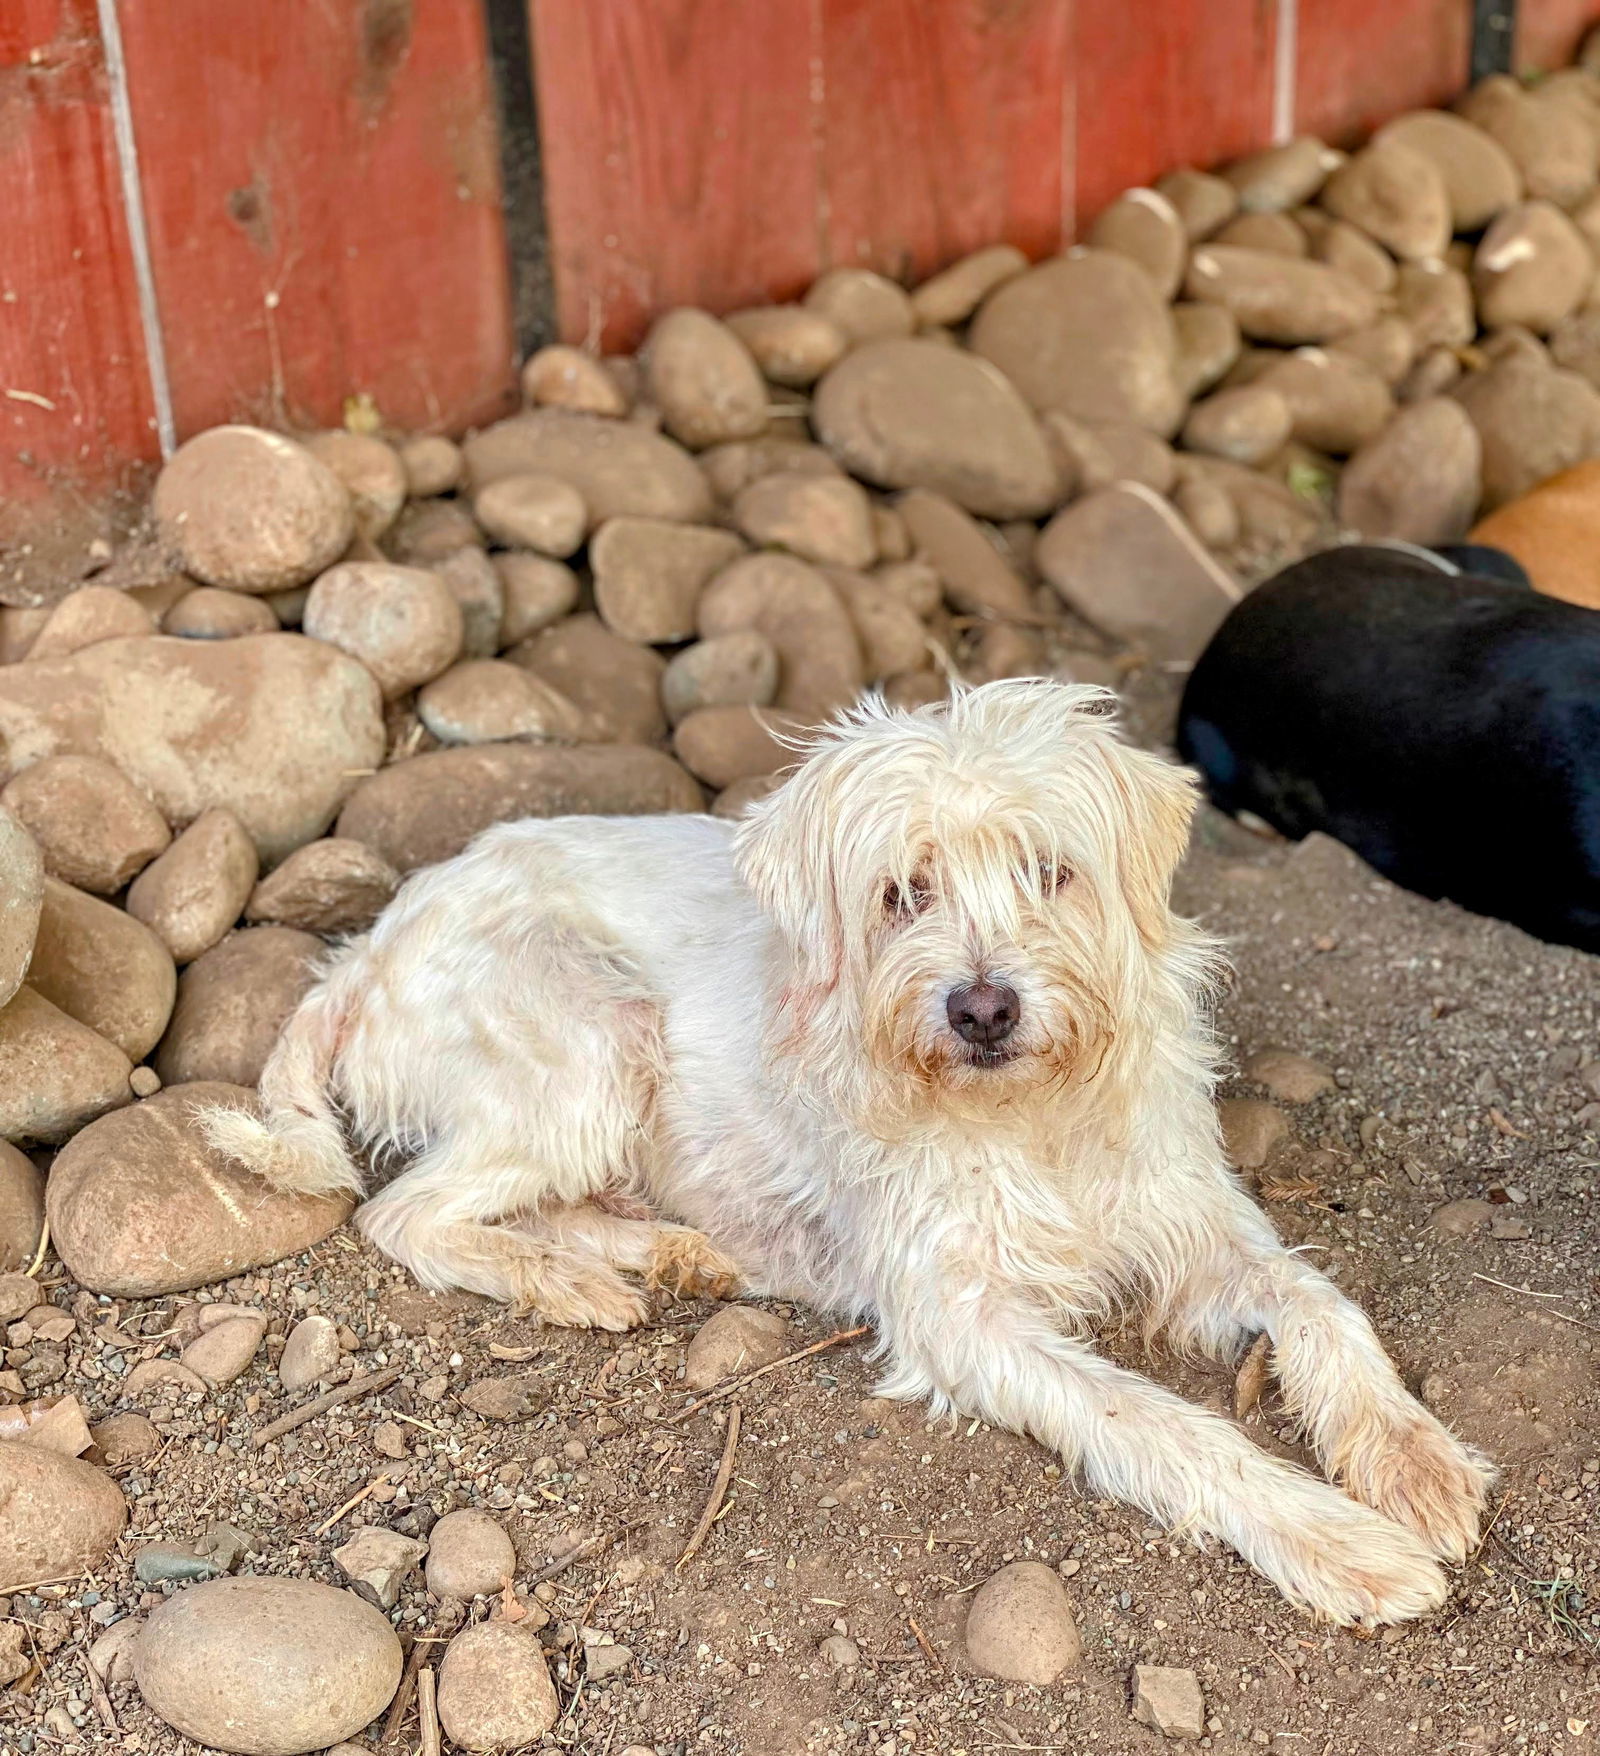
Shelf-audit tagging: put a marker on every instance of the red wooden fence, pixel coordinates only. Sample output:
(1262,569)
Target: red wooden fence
(303,200)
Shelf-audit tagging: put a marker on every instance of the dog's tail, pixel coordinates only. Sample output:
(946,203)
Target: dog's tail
(298,1141)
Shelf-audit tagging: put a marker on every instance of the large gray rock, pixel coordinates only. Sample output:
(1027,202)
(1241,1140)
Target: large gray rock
(55,1074)
(913,414)
(430,807)
(139,1205)
(1087,333)
(620,468)
(250,510)
(21,897)
(1419,479)
(266,1666)
(1127,563)
(275,726)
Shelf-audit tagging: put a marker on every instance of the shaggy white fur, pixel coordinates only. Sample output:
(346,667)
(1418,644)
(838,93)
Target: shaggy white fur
(661,1048)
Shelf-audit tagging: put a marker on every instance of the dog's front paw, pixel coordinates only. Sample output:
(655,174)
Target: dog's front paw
(1415,1471)
(1359,1569)
(687,1263)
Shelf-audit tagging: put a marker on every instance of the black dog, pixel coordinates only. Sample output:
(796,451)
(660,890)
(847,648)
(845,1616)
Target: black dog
(1444,725)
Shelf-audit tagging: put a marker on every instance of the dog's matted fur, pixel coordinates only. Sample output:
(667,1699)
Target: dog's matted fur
(920,1042)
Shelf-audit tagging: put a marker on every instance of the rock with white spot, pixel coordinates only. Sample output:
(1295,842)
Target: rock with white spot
(1532,267)
(1281,177)
(1143,225)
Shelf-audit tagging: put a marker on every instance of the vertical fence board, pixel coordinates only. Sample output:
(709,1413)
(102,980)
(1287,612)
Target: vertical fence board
(680,156)
(1363,61)
(1182,82)
(323,196)
(74,391)
(945,128)
(1549,32)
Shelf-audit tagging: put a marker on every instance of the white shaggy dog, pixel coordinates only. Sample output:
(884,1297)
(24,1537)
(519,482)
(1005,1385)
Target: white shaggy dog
(920,1042)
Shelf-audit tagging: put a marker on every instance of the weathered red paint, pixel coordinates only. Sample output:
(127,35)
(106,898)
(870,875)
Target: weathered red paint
(75,405)
(323,191)
(1161,85)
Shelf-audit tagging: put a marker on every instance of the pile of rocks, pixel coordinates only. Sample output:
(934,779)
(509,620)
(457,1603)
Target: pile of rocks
(330,662)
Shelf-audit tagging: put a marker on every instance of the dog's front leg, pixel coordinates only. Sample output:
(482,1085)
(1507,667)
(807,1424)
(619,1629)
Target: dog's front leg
(986,1351)
(1367,1430)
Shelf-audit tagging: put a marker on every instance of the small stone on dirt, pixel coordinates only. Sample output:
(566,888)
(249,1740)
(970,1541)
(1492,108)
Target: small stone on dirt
(1169,1699)
(1021,1626)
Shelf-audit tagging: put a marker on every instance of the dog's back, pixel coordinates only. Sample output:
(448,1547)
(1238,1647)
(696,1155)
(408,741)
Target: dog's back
(1446,727)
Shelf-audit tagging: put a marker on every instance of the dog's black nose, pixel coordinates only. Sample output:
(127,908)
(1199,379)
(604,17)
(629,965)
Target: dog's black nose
(985,1013)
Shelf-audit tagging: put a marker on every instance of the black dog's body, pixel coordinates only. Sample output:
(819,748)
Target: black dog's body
(1446,727)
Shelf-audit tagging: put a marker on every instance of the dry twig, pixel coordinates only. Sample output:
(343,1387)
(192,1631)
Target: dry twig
(428,1712)
(320,1405)
(719,1489)
(734,1384)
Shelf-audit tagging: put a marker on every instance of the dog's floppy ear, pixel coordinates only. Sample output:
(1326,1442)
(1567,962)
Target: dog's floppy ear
(784,852)
(1159,799)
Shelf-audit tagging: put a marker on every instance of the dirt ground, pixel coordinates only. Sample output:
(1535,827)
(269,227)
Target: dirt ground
(1461,1052)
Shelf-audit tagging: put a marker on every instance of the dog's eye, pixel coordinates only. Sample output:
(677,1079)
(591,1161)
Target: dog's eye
(904,902)
(1057,877)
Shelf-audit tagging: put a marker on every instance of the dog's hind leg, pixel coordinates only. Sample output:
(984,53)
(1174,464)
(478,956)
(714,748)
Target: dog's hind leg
(462,1225)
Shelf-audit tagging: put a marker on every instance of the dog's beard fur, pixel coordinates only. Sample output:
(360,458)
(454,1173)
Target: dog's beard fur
(1045,870)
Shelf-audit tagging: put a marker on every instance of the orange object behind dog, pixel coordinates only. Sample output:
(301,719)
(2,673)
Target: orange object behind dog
(1554,531)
